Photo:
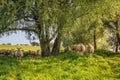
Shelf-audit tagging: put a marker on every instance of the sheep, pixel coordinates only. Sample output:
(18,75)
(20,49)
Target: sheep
(2,52)
(31,52)
(80,49)
(19,53)
(37,52)
(12,53)
(73,47)
(25,53)
(6,52)
(90,48)
(83,49)
(68,48)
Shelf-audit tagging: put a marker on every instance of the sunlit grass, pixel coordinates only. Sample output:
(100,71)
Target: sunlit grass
(65,66)
(26,48)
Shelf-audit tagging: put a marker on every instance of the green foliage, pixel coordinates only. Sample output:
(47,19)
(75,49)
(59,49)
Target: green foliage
(67,39)
(81,35)
(65,66)
(34,43)
(106,53)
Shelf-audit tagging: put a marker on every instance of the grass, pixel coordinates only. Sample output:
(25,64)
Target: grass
(65,66)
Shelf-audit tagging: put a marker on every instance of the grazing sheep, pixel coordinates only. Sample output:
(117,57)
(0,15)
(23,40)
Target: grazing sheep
(68,48)
(83,49)
(12,53)
(7,52)
(19,53)
(37,52)
(74,47)
(31,52)
(2,52)
(25,53)
(90,48)
(80,49)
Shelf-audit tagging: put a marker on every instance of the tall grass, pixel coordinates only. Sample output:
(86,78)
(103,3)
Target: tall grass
(65,66)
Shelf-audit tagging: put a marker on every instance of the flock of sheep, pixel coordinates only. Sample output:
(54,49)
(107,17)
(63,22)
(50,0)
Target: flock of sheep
(80,49)
(19,53)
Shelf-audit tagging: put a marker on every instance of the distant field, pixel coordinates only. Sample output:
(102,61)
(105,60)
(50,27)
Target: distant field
(26,48)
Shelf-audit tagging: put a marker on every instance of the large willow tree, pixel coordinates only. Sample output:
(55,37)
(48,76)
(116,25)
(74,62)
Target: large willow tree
(44,18)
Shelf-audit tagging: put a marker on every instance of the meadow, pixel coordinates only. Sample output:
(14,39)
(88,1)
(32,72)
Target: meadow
(26,48)
(102,65)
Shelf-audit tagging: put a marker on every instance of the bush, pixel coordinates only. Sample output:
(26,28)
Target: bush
(34,43)
(103,52)
(8,43)
(3,44)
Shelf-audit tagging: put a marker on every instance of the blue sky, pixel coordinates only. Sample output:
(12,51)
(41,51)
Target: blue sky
(15,38)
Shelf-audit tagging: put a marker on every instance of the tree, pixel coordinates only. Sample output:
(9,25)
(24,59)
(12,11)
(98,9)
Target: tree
(97,30)
(63,18)
(87,26)
(30,19)
(113,26)
(38,17)
(110,21)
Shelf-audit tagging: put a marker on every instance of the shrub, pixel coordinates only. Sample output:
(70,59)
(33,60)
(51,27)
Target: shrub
(106,53)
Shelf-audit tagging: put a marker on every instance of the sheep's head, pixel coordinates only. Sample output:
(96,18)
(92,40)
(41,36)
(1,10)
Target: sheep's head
(18,49)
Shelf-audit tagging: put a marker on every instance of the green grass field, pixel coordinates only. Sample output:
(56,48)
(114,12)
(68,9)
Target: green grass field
(65,66)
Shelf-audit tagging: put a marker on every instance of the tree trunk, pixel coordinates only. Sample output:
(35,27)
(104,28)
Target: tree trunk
(117,41)
(94,38)
(45,48)
(117,37)
(116,49)
(56,45)
(44,43)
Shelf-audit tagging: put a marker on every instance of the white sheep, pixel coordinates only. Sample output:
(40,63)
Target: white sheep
(12,53)
(90,48)
(37,52)
(19,53)
(68,48)
(80,49)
